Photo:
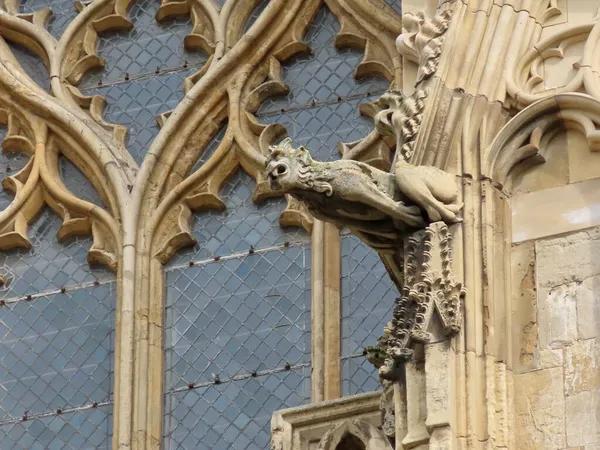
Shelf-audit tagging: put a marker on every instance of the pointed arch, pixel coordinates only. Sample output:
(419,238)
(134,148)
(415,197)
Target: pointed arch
(360,434)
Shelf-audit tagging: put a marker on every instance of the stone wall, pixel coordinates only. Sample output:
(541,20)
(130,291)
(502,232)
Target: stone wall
(556,307)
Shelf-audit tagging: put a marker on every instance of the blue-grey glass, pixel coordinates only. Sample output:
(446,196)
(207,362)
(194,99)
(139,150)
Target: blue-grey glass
(137,103)
(232,416)
(358,376)
(77,183)
(33,66)
(63,13)
(56,351)
(242,225)
(236,316)
(368,296)
(146,47)
(326,74)
(90,429)
(321,128)
(396,5)
(48,265)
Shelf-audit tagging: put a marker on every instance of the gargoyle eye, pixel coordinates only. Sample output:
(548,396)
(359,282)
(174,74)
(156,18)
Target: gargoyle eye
(281,169)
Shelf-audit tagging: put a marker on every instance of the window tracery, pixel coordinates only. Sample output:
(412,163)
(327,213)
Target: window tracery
(134,193)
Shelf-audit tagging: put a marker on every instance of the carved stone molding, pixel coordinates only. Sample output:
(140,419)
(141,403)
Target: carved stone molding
(354,435)
(305,427)
(527,82)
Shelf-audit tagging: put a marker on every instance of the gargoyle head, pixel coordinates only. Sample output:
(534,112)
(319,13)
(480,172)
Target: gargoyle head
(291,169)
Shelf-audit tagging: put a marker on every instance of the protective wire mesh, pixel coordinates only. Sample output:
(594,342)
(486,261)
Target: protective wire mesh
(56,345)
(137,103)
(368,296)
(148,46)
(243,225)
(56,333)
(237,326)
(63,12)
(322,106)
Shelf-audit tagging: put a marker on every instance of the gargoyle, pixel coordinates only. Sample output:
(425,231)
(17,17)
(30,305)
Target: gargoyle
(374,204)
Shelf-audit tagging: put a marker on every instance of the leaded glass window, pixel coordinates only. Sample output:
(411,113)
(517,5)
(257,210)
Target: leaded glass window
(234,313)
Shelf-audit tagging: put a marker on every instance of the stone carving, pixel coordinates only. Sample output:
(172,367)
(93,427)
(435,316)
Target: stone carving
(353,435)
(531,78)
(394,113)
(401,116)
(374,204)
(429,287)
(423,40)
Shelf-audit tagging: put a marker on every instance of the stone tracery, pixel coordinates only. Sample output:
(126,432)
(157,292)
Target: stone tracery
(232,85)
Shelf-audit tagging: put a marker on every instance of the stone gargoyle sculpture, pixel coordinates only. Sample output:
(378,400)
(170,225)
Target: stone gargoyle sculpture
(375,205)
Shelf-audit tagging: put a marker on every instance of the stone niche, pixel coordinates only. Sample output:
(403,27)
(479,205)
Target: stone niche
(351,423)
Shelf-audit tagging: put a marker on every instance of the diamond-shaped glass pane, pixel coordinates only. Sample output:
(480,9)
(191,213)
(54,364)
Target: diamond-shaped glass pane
(56,351)
(137,103)
(77,183)
(148,46)
(396,5)
(88,429)
(234,415)
(48,265)
(358,376)
(33,66)
(63,13)
(326,74)
(368,296)
(242,225)
(245,314)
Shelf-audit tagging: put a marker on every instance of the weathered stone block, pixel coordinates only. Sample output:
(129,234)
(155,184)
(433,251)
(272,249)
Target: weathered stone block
(582,367)
(524,306)
(557,316)
(540,410)
(588,308)
(583,419)
(568,258)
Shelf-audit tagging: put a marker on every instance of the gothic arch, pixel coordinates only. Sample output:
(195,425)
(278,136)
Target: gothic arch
(362,435)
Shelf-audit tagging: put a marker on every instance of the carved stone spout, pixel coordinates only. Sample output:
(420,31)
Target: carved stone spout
(379,207)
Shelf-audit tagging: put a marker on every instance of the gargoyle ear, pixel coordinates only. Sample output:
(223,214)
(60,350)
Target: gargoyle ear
(304,156)
(286,144)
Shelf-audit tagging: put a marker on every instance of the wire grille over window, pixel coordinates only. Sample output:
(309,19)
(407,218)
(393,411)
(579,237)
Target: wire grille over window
(322,106)
(368,296)
(237,326)
(56,344)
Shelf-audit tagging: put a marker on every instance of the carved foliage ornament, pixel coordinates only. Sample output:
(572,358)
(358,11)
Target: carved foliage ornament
(429,289)
(399,116)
